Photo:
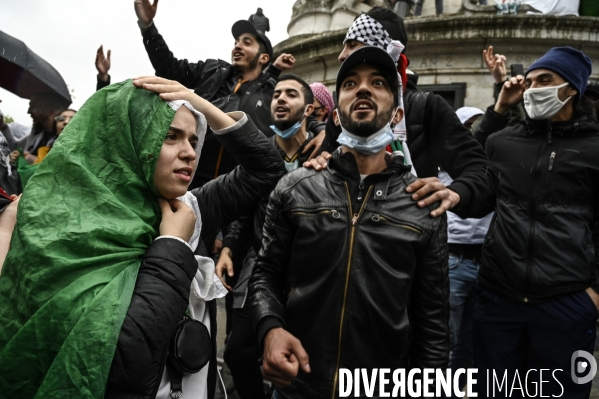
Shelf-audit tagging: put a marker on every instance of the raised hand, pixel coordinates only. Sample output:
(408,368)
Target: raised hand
(103,64)
(511,94)
(285,62)
(496,65)
(145,11)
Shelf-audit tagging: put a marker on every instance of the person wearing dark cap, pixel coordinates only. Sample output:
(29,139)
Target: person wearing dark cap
(539,277)
(432,136)
(246,84)
(348,307)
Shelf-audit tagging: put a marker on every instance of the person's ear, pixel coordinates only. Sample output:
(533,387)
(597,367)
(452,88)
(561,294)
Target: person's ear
(264,59)
(309,110)
(572,91)
(336,117)
(398,116)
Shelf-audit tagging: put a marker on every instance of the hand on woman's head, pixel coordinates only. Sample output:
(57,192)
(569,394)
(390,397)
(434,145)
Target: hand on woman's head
(178,219)
(169,90)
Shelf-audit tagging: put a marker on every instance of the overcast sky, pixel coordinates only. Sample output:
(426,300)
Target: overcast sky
(67,33)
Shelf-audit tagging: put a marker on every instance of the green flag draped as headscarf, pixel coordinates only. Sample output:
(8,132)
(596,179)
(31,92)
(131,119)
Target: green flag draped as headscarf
(86,218)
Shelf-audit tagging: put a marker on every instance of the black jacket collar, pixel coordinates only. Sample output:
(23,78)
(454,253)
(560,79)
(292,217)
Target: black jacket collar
(345,164)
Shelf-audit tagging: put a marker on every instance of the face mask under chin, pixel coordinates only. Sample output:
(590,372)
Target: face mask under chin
(372,144)
(283,128)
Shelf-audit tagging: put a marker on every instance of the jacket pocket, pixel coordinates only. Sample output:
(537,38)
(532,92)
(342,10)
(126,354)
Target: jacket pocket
(315,212)
(378,218)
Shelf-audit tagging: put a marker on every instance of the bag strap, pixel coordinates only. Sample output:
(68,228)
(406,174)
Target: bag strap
(176,380)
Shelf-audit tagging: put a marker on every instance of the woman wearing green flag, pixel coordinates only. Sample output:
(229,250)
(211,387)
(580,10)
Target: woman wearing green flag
(100,270)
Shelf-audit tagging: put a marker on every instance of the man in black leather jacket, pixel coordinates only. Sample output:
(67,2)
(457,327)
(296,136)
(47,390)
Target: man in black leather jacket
(246,84)
(539,277)
(351,274)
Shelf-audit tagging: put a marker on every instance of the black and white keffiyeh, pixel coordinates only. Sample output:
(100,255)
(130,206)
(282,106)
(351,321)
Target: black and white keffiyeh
(370,32)
(5,155)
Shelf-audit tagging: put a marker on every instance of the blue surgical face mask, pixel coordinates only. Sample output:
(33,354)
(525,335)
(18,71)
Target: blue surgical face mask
(367,145)
(288,133)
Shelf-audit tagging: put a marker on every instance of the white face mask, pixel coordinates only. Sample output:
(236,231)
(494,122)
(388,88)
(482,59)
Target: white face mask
(367,145)
(543,103)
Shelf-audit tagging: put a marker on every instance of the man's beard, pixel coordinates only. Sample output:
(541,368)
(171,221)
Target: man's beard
(284,124)
(364,128)
(37,127)
(252,64)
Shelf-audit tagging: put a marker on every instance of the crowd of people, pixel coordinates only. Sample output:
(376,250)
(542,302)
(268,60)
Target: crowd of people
(377,229)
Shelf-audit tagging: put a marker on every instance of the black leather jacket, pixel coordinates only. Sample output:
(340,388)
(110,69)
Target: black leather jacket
(544,238)
(357,272)
(163,286)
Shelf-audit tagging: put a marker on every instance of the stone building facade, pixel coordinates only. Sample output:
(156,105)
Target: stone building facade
(445,51)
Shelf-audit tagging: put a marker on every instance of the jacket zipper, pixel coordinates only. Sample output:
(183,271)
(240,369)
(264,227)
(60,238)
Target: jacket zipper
(532,219)
(377,218)
(551,159)
(333,212)
(352,233)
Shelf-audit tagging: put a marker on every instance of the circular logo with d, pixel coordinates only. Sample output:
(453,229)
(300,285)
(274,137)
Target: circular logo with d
(583,362)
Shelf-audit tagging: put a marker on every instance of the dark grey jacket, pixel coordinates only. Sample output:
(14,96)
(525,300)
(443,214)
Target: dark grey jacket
(544,238)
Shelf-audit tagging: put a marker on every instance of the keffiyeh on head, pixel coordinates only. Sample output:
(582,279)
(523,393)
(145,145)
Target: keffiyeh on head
(323,95)
(369,31)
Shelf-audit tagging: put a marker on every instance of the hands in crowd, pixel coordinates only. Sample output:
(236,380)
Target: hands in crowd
(496,65)
(178,219)
(225,264)
(14,155)
(103,64)
(314,145)
(436,191)
(145,11)
(284,355)
(30,158)
(285,62)
(511,94)
(318,163)
(170,90)
(217,246)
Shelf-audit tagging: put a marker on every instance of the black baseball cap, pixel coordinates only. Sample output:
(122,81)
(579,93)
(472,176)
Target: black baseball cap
(370,55)
(243,26)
